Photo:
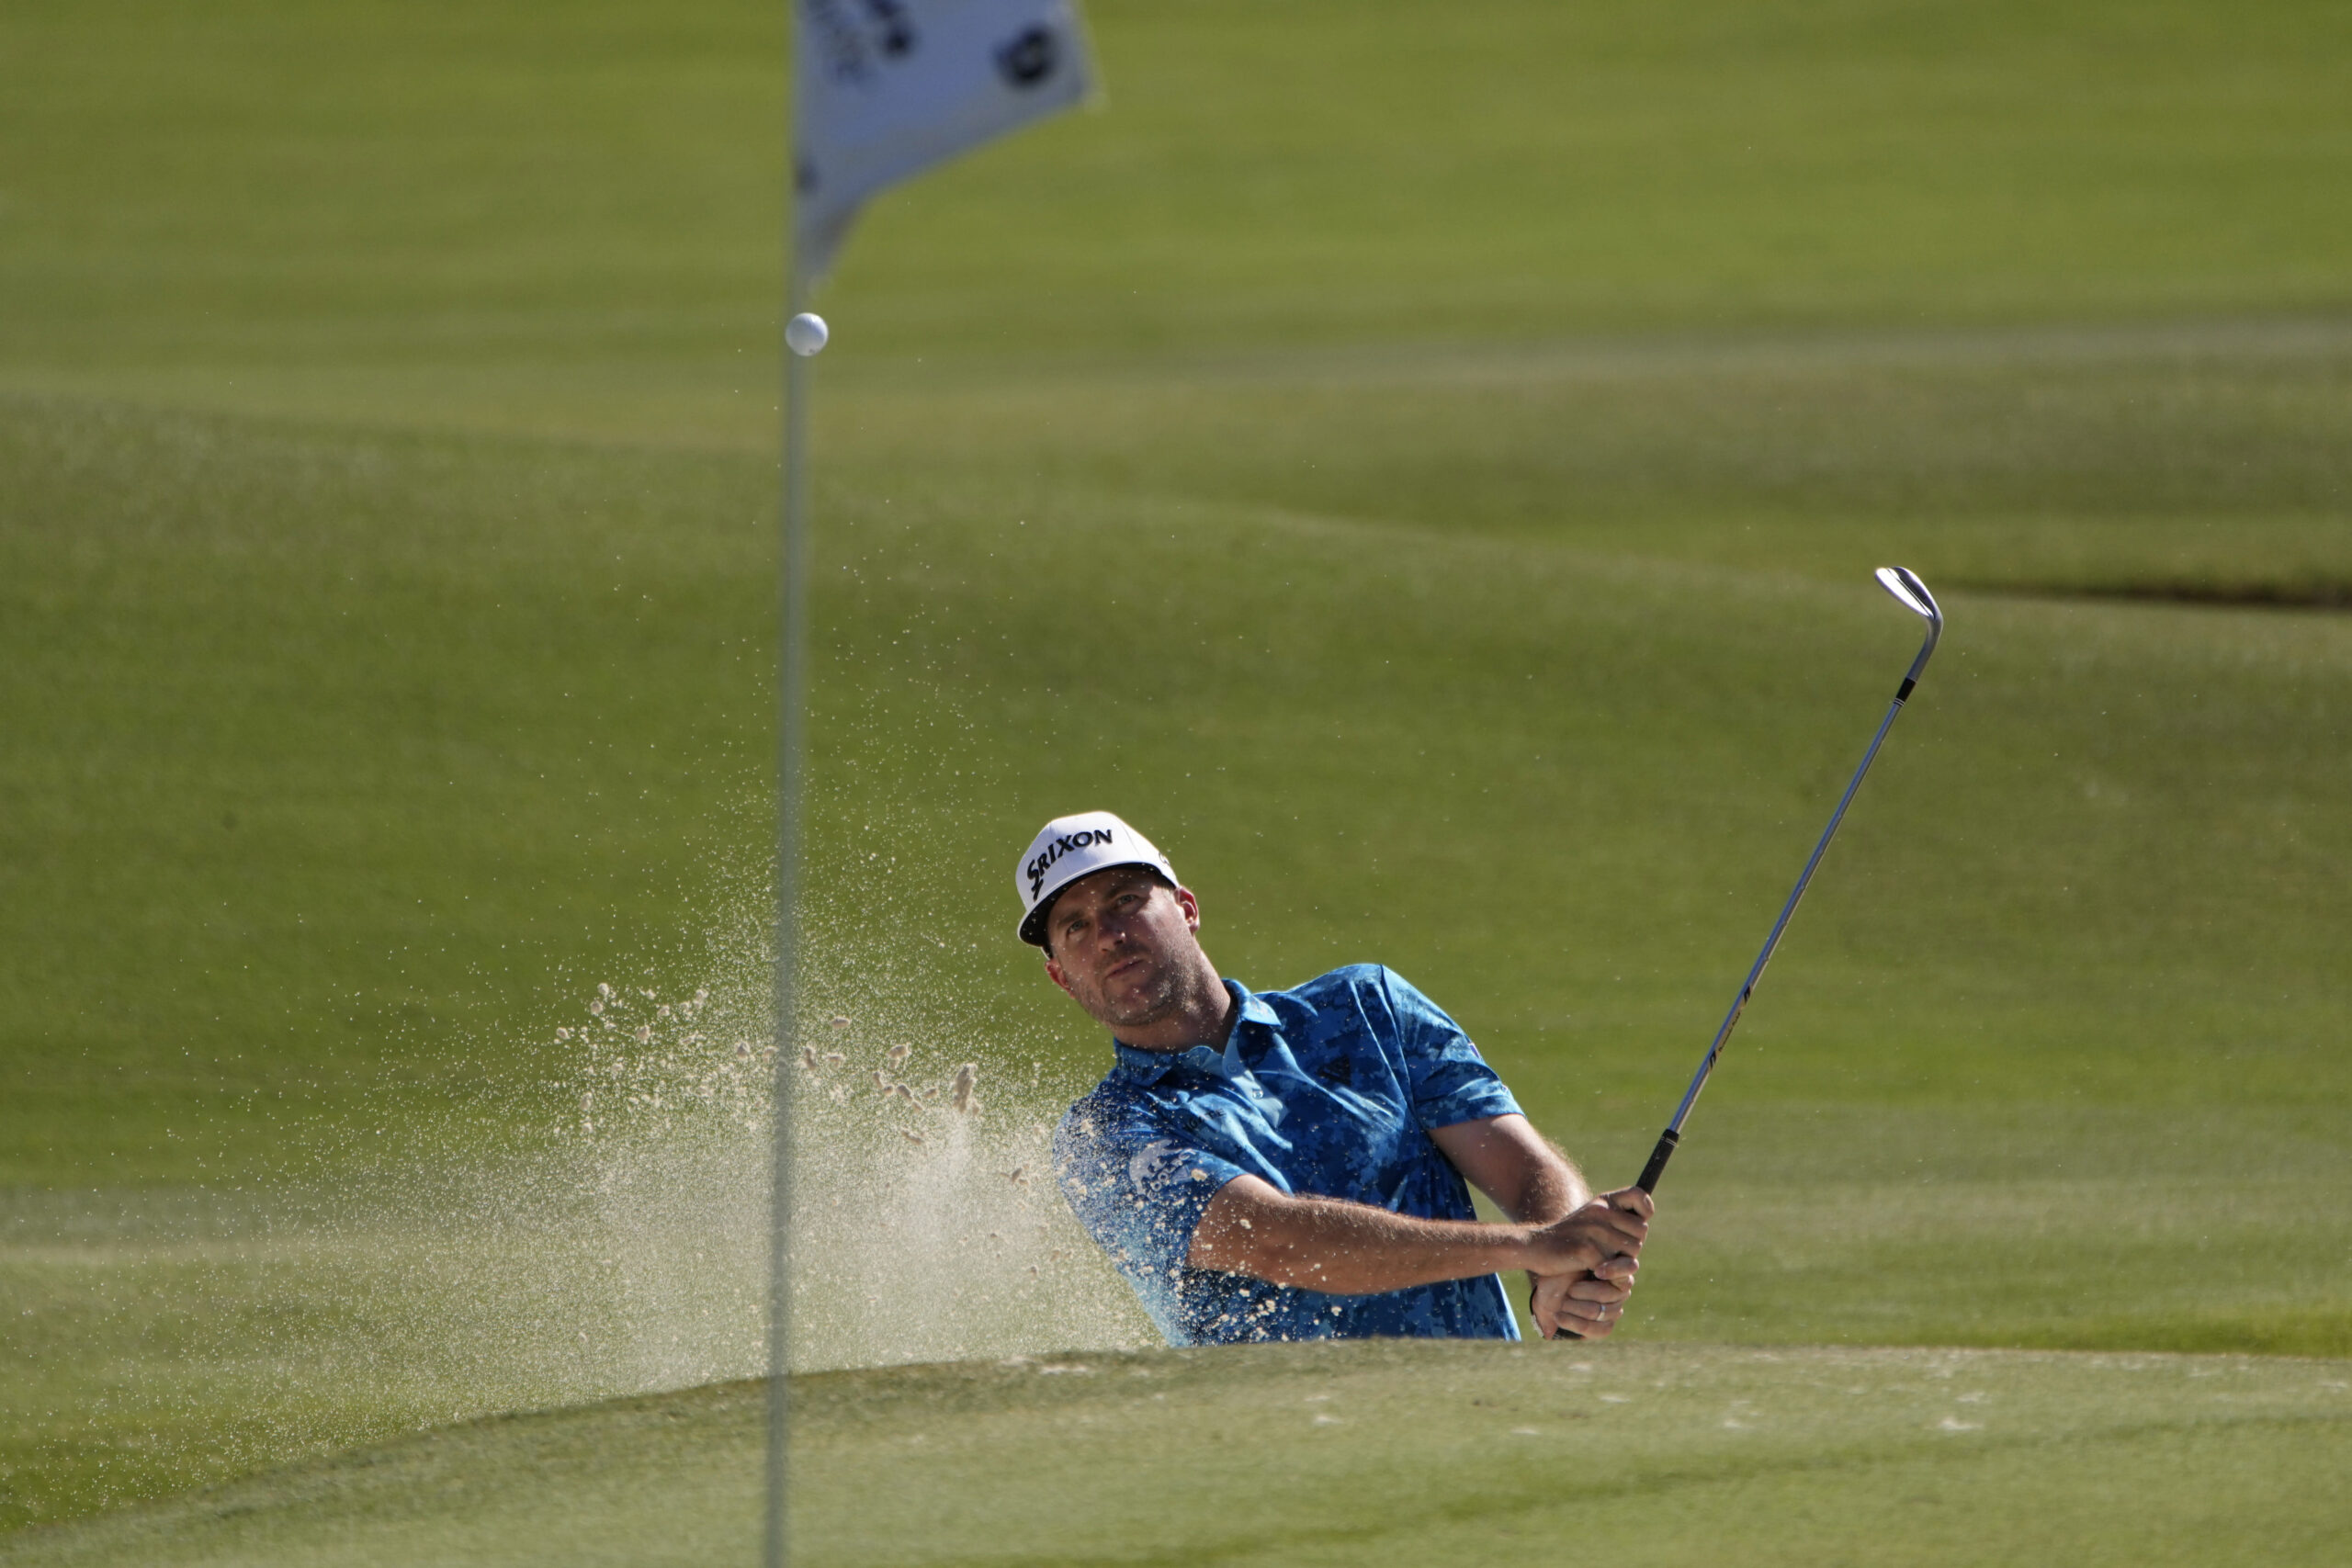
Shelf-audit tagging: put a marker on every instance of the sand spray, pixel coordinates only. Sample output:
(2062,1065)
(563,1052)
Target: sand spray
(620,1246)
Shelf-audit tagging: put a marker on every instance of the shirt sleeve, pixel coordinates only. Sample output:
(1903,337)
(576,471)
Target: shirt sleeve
(1139,1192)
(1451,1082)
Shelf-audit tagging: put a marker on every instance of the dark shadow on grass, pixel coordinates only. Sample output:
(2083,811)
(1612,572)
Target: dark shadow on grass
(2325,596)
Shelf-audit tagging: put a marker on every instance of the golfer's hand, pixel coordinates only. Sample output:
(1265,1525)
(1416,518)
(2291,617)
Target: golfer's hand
(1587,1302)
(1583,1306)
(1611,1226)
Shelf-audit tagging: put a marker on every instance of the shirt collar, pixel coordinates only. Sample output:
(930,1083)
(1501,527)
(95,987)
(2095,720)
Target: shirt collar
(1146,1067)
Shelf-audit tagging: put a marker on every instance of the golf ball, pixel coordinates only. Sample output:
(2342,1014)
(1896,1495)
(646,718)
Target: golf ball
(806,334)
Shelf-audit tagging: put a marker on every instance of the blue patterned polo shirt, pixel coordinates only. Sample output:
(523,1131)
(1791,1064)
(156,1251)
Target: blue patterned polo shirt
(1329,1090)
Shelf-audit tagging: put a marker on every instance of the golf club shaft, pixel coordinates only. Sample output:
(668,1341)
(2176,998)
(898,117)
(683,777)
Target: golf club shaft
(1913,594)
(1672,1136)
(1668,1140)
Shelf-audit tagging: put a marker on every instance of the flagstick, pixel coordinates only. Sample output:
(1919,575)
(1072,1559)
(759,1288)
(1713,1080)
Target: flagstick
(791,665)
(972,97)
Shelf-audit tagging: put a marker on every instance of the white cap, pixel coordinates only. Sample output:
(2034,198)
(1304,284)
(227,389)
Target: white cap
(1072,846)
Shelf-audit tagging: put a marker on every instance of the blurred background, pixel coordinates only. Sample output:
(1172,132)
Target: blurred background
(1422,464)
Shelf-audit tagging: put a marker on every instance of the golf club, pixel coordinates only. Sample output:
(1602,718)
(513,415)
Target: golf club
(1906,586)
(1913,594)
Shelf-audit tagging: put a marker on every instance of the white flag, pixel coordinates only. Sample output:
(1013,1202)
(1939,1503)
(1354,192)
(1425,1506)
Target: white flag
(885,88)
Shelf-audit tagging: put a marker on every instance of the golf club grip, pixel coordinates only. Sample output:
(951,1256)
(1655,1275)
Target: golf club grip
(1667,1143)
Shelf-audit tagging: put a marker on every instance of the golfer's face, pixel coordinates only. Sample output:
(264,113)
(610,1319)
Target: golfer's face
(1118,939)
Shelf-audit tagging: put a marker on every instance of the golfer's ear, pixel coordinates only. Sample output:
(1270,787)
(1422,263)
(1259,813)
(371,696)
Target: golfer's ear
(1054,971)
(1191,906)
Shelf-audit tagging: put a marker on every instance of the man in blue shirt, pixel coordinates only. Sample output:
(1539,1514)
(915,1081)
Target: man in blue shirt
(1292,1166)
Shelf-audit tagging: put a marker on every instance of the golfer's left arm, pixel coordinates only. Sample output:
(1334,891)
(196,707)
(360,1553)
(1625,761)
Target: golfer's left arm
(1530,1179)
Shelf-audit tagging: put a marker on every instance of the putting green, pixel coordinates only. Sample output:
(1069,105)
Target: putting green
(1366,1453)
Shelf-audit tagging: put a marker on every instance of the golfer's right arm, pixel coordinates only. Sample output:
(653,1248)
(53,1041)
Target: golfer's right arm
(1353,1249)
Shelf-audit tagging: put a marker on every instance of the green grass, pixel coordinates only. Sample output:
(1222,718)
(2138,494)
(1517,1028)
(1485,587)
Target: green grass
(567,216)
(1372,1453)
(1425,474)
(331,761)
(2005,1044)
(1334,741)
(2197,457)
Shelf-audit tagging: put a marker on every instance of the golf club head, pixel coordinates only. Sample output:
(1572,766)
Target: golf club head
(1905,584)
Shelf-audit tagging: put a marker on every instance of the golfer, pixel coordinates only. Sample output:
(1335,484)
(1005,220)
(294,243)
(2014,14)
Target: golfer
(1296,1165)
